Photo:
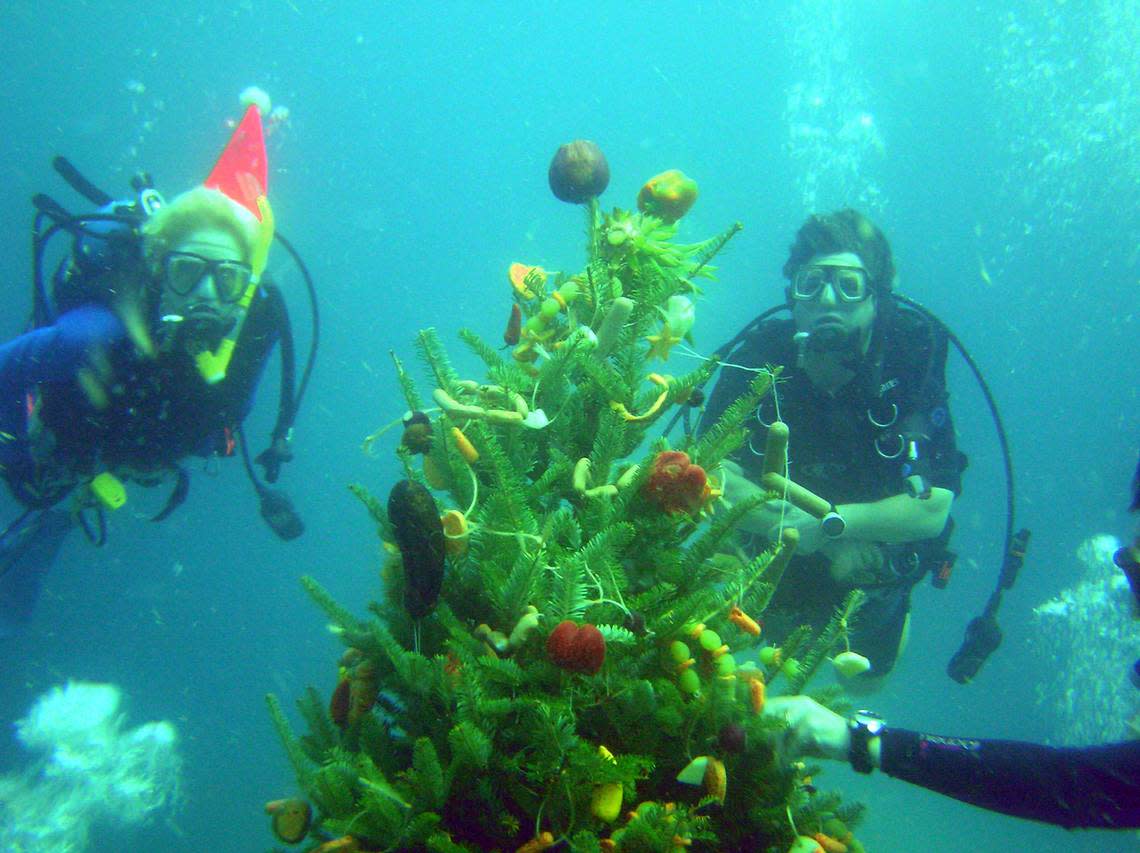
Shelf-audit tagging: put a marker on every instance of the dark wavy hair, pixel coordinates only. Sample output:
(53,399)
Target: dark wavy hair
(844,231)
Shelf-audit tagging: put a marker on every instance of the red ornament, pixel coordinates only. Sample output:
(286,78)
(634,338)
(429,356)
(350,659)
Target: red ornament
(676,484)
(363,688)
(339,705)
(560,644)
(514,327)
(590,649)
(356,689)
(578,648)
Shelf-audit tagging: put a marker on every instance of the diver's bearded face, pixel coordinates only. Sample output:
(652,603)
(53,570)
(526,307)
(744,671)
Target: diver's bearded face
(203,276)
(830,306)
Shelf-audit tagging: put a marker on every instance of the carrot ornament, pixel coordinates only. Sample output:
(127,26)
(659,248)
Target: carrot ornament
(743,621)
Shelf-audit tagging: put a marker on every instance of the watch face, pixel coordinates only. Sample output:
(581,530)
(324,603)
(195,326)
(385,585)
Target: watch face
(869,720)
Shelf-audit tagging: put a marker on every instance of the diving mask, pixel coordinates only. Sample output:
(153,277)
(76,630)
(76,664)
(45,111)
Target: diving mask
(184,271)
(850,284)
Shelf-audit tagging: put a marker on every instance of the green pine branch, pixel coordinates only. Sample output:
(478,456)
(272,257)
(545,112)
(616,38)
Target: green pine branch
(569,593)
(322,736)
(555,476)
(520,588)
(302,767)
(375,509)
(723,528)
(825,642)
(489,355)
(728,433)
(434,355)
(341,617)
(701,253)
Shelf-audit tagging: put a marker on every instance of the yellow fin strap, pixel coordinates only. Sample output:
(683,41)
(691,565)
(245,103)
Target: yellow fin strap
(213,365)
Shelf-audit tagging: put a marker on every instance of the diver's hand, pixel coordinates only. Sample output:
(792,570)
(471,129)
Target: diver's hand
(768,518)
(812,730)
(808,526)
(737,487)
(852,562)
(132,312)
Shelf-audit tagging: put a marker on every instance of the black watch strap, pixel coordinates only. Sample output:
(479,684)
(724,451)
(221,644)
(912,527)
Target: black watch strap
(863,728)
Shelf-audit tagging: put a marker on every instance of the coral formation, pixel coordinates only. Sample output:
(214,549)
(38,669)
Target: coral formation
(89,768)
(1085,639)
(581,652)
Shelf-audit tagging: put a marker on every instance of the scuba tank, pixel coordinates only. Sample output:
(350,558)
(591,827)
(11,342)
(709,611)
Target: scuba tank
(105,244)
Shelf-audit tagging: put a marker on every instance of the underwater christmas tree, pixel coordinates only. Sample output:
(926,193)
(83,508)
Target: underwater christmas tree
(567,651)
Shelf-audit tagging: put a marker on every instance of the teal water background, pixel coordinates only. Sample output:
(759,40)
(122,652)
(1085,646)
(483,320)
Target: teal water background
(996,144)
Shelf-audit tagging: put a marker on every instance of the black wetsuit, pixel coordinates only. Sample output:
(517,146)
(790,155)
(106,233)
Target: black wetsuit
(836,451)
(1092,786)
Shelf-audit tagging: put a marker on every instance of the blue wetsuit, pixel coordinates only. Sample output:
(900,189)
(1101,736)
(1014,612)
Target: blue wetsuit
(50,355)
(150,413)
(154,411)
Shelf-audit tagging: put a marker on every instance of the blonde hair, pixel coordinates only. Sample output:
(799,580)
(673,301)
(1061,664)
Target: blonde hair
(195,210)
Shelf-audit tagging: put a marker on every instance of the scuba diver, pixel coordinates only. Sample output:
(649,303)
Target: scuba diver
(864,399)
(862,395)
(1089,786)
(148,350)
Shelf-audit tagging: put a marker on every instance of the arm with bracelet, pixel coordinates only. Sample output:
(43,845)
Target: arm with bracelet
(899,518)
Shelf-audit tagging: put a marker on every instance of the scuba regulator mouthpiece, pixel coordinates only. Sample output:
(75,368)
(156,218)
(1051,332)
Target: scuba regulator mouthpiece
(200,333)
(831,338)
(801,341)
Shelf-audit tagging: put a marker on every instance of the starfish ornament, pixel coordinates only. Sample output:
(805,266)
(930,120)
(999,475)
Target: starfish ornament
(661,343)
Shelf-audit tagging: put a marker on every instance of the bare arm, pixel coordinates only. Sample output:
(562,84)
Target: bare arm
(900,518)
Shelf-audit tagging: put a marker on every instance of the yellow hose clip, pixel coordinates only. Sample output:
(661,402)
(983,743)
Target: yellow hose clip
(108,490)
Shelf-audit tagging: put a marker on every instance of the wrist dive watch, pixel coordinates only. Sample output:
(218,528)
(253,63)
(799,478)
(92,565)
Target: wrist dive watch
(865,726)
